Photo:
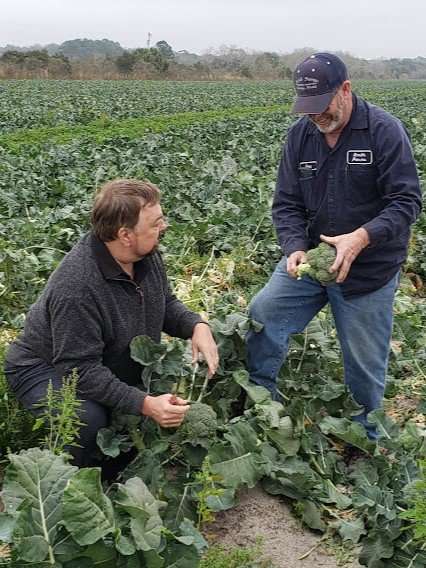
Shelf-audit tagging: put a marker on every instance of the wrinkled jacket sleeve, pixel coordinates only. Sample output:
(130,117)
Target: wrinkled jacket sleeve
(288,209)
(398,182)
(78,344)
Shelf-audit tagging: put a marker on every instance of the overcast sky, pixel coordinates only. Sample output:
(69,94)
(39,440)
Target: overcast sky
(366,28)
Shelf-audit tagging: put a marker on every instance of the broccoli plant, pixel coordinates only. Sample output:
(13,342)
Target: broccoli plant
(200,423)
(416,513)
(318,262)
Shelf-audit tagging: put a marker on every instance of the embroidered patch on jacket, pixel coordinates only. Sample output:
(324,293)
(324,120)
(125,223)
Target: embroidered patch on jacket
(308,166)
(359,157)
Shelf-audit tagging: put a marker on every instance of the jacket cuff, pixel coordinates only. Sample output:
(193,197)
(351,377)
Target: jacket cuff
(186,326)
(293,245)
(134,402)
(376,233)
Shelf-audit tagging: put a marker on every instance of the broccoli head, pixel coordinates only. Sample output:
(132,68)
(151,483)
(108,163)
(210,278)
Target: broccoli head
(199,426)
(318,262)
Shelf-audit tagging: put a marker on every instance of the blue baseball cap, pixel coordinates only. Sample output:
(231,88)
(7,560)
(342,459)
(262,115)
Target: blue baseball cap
(316,80)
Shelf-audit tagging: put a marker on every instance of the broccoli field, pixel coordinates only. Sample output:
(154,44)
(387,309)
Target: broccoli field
(213,149)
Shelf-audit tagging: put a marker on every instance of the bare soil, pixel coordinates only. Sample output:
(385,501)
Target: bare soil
(284,540)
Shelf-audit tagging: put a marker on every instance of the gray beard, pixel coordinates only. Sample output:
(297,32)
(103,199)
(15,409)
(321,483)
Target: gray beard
(334,124)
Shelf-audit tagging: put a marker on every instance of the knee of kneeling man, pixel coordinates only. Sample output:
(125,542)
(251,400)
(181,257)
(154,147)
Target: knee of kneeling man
(94,415)
(259,308)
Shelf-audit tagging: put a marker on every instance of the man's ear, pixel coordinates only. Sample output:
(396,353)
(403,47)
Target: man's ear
(347,87)
(124,236)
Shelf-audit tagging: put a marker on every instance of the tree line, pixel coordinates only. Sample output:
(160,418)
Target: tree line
(105,59)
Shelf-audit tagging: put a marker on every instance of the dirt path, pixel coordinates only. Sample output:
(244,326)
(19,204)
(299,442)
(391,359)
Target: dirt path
(284,541)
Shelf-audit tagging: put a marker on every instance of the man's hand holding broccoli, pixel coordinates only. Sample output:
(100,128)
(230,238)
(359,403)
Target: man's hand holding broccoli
(348,247)
(293,261)
(331,260)
(172,411)
(168,410)
(318,263)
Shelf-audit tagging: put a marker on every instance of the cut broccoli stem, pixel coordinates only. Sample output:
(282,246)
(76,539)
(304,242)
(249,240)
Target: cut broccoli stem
(204,387)
(146,378)
(194,374)
(177,386)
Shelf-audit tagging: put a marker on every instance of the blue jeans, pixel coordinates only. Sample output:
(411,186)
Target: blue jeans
(363,323)
(29,384)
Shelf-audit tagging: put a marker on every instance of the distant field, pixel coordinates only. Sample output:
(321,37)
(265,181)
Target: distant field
(32,104)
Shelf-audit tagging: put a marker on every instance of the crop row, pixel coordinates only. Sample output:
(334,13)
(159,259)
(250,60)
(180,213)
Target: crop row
(34,104)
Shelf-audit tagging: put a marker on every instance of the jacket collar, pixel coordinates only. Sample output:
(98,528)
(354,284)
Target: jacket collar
(109,266)
(359,117)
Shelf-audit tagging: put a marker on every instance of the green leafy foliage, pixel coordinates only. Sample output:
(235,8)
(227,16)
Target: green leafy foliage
(83,499)
(32,491)
(16,424)
(417,509)
(239,557)
(209,493)
(60,418)
(216,169)
(59,516)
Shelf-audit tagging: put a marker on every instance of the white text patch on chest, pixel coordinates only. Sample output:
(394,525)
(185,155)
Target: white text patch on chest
(308,166)
(359,157)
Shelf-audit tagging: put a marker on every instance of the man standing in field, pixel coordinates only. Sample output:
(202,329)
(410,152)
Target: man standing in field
(347,177)
(109,288)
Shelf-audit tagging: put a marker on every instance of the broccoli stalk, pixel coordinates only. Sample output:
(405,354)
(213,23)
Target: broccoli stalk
(200,423)
(203,388)
(318,262)
(193,376)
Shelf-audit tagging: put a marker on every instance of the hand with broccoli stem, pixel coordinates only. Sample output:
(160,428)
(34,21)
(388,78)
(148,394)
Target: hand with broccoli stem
(317,265)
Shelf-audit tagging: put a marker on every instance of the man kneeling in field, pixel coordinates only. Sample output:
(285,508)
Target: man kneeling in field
(111,287)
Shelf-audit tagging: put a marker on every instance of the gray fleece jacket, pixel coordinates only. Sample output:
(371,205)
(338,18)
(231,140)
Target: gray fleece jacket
(87,315)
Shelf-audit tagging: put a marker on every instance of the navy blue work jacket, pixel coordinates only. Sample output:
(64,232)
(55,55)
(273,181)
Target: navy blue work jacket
(368,179)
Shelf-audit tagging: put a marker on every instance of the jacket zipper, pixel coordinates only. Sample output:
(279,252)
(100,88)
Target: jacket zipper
(133,283)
